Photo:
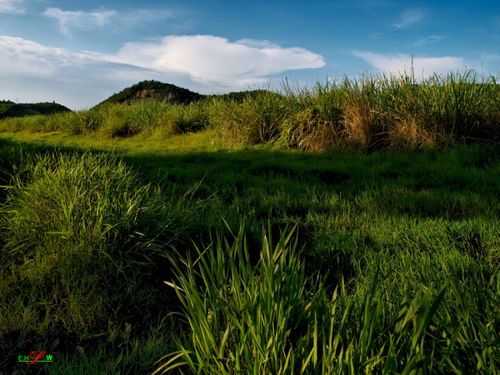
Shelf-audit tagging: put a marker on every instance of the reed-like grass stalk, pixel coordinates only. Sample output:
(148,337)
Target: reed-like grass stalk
(372,112)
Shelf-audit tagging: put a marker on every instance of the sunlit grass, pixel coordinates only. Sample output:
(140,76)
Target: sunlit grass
(373,112)
(200,141)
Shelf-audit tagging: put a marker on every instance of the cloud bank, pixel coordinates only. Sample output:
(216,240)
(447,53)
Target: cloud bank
(203,63)
(422,66)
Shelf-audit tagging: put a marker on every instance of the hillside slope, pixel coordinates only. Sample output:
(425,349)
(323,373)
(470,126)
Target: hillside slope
(155,90)
(171,93)
(10,109)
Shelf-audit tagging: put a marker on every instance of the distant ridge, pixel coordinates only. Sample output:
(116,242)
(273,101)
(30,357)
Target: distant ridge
(171,93)
(11,109)
(154,90)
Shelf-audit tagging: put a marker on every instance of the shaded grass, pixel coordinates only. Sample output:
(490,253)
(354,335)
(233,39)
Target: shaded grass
(388,231)
(269,318)
(82,238)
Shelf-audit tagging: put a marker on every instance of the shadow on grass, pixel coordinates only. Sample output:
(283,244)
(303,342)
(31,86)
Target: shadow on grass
(332,196)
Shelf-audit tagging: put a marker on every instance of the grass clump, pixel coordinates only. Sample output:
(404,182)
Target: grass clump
(244,318)
(316,121)
(72,227)
(270,317)
(253,120)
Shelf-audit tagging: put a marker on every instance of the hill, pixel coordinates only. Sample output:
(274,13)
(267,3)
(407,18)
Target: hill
(5,105)
(11,109)
(171,93)
(156,90)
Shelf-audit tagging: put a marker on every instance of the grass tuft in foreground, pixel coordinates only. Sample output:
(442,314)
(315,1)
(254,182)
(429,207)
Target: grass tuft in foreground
(81,240)
(271,318)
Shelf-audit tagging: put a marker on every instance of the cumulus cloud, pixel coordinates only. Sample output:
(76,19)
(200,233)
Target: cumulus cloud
(69,20)
(11,6)
(422,66)
(409,17)
(207,58)
(82,79)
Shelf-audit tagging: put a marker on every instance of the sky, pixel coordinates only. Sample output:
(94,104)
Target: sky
(79,53)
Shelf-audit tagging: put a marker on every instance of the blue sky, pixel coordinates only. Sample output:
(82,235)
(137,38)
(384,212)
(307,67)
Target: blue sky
(78,53)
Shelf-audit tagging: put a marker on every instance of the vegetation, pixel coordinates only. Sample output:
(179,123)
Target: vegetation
(5,105)
(369,114)
(11,109)
(155,90)
(240,96)
(261,259)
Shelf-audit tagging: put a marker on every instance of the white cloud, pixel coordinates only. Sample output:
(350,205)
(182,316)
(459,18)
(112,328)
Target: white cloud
(11,6)
(101,18)
(409,17)
(428,40)
(19,55)
(33,72)
(422,66)
(207,58)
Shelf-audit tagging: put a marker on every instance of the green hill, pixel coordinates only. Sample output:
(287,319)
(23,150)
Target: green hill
(11,109)
(155,90)
(171,93)
(5,105)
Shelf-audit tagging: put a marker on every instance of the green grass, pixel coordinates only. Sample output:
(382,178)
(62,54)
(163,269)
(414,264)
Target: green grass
(367,114)
(277,260)
(271,318)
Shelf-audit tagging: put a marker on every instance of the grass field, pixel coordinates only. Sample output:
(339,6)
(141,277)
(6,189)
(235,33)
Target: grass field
(369,114)
(140,253)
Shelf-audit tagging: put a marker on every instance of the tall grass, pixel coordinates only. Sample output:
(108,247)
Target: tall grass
(256,119)
(71,226)
(373,112)
(270,318)
(394,268)
(149,117)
